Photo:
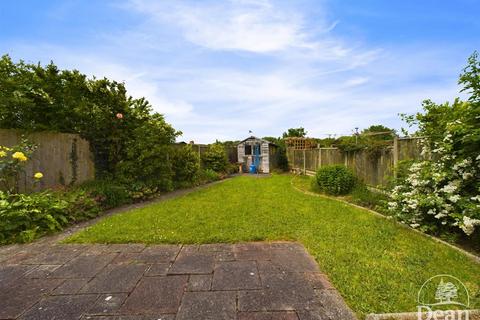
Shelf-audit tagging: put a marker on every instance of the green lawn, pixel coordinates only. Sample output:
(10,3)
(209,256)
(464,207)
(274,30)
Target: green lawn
(376,265)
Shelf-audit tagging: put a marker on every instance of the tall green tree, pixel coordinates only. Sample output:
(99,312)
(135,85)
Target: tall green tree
(35,97)
(295,132)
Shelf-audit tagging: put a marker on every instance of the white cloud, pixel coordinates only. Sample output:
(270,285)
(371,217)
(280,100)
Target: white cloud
(252,26)
(217,69)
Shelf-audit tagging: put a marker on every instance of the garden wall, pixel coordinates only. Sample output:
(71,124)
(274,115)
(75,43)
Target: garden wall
(63,158)
(374,169)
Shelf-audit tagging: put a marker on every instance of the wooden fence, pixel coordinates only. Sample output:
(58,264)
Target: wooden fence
(62,158)
(231,151)
(373,169)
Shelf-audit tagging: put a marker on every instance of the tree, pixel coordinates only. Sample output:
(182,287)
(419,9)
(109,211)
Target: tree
(295,132)
(215,158)
(440,193)
(470,78)
(119,128)
(379,132)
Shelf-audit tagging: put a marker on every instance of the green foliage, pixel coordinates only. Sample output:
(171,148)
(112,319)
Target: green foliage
(108,194)
(470,78)
(147,155)
(349,143)
(185,166)
(140,191)
(367,198)
(12,163)
(441,193)
(335,179)
(374,139)
(80,205)
(379,132)
(208,175)
(34,97)
(25,217)
(295,132)
(215,158)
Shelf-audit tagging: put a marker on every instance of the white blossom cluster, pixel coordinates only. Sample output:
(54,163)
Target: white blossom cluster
(438,192)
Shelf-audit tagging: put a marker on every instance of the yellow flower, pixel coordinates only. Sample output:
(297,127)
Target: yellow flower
(2,153)
(38,175)
(19,156)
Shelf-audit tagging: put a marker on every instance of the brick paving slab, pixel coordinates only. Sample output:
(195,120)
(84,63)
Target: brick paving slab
(108,304)
(42,271)
(83,266)
(22,294)
(199,282)
(272,315)
(116,278)
(236,275)
(9,273)
(50,254)
(70,286)
(158,269)
(164,253)
(208,306)
(193,263)
(224,256)
(156,295)
(246,281)
(60,307)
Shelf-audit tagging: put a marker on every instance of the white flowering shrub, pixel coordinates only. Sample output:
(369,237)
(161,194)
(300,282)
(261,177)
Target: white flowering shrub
(438,195)
(441,194)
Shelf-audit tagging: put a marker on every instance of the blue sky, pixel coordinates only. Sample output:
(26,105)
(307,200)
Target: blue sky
(218,69)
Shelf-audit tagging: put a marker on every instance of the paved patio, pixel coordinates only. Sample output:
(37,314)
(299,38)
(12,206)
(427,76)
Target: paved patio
(257,281)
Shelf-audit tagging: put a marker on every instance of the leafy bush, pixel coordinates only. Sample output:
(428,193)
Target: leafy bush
(208,175)
(185,165)
(335,179)
(35,97)
(140,191)
(364,197)
(215,158)
(147,157)
(440,194)
(25,217)
(107,193)
(81,206)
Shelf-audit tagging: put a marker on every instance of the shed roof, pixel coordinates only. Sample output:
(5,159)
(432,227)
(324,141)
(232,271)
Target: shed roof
(256,138)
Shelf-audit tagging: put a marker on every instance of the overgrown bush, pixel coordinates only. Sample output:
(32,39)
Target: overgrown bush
(365,197)
(35,98)
(147,157)
(441,194)
(185,166)
(215,158)
(108,194)
(208,175)
(335,180)
(24,217)
(140,191)
(80,205)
